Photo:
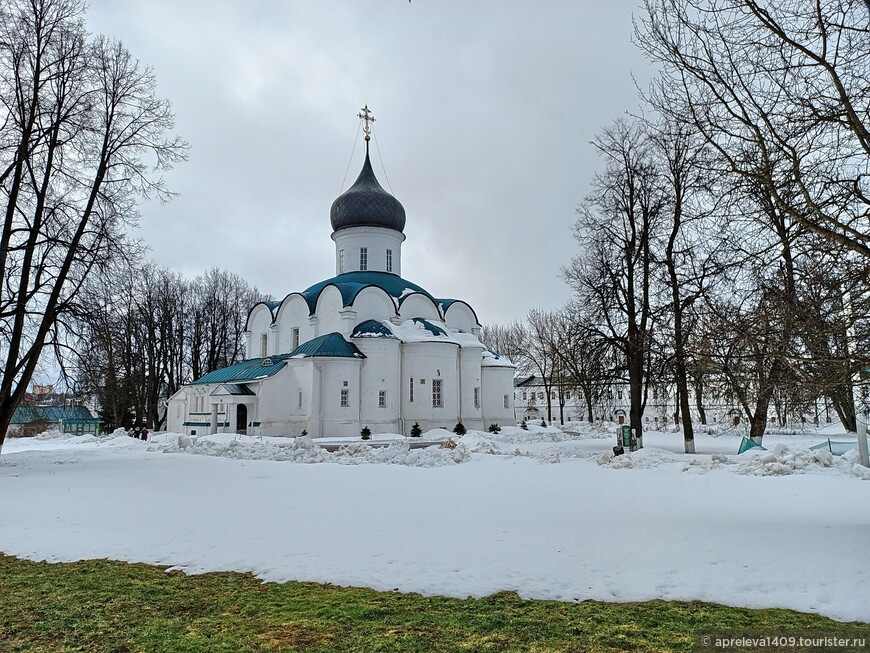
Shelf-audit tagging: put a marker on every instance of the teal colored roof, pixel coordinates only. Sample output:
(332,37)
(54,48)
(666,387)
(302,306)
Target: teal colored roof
(249,370)
(372,328)
(331,344)
(350,284)
(52,414)
(235,389)
(444,304)
(431,328)
(197,424)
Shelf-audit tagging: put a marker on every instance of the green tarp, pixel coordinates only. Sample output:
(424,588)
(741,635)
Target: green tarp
(746,444)
(836,448)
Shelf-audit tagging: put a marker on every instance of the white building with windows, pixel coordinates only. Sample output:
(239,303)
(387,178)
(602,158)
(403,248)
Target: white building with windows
(364,348)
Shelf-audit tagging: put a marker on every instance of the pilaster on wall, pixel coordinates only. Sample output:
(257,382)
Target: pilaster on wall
(313,323)
(348,321)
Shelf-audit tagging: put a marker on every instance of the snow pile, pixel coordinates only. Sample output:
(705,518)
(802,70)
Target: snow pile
(782,461)
(51,434)
(305,450)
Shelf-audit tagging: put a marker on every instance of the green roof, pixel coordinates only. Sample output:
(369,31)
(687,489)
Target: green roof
(249,370)
(52,414)
(372,328)
(235,389)
(331,344)
(434,329)
(350,284)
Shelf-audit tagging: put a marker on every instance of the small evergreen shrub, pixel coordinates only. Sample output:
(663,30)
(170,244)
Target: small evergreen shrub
(304,432)
(366,433)
(416,431)
(460,429)
(524,426)
(494,428)
(544,423)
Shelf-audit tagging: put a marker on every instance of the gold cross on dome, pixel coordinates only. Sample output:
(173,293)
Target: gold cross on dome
(367,117)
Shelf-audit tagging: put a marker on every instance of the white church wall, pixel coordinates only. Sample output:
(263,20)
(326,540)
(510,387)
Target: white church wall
(424,362)
(176,411)
(373,303)
(259,323)
(293,314)
(418,305)
(278,409)
(470,379)
(460,316)
(328,306)
(338,420)
(381,370)
(498,383)
(376,240)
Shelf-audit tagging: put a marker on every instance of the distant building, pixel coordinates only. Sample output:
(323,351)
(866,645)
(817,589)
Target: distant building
(29,420)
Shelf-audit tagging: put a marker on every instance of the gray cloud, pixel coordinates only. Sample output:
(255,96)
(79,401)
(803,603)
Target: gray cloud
(484,114)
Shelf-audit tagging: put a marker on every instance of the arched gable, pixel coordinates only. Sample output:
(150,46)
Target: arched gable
(373,303)
(292,314)
(459,315)
(418,305)
(260,314)
(259,324)
(329,303)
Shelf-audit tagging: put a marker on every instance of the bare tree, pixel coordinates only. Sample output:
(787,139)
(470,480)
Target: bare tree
(219,305)
(781,91)
(82,131)
(585,356)
(613,273)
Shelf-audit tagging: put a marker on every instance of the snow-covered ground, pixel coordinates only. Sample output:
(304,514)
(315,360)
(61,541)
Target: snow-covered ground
(545,513)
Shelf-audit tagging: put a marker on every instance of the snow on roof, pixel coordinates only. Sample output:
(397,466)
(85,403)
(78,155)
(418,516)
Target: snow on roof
(420,329)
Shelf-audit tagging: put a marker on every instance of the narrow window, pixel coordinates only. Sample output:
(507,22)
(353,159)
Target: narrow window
(382,398)
(524,395)
(264,344)
(389,260)
(344,400)
(295,337)
(506,404)
(619,394)
(477,397)
(341,261)
(363,258)
(411,389)
(299,403)
(436,393)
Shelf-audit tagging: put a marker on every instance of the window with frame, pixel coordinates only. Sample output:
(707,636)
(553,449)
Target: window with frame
(437,400)
(341,261)
(411,389)
(345,402)
(389,260)
(264,345)
(299,403)
(477,397)
(294,338)
(363,258)
(382,398)
(506,401)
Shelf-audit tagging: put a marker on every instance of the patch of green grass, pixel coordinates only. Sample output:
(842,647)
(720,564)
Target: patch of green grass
(114,607)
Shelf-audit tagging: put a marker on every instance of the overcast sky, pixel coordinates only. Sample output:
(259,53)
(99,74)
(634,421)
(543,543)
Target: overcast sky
(484,115)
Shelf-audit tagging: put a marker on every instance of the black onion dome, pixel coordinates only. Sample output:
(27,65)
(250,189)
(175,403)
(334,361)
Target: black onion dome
(367,204)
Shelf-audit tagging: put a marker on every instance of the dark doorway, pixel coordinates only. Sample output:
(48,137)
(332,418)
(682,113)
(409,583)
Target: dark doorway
(241,419)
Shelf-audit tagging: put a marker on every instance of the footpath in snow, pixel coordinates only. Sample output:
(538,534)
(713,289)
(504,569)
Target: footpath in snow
(541,512)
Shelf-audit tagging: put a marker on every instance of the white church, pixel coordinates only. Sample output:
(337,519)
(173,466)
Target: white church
(364,348)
